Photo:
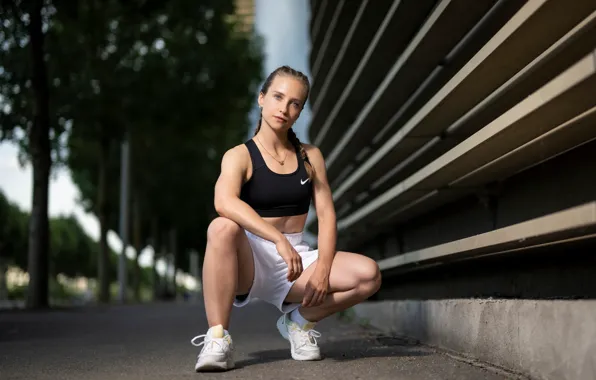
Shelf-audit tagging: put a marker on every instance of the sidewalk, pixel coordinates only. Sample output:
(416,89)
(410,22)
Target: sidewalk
(153,342)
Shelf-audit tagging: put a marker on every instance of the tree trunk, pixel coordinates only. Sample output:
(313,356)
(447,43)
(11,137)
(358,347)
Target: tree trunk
(138,246)
(39,148)
(103,265)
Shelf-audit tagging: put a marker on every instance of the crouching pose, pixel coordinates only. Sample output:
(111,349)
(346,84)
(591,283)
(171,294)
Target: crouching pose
(255,249)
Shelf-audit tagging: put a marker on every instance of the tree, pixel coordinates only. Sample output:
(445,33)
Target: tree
(23,29)
(94,166)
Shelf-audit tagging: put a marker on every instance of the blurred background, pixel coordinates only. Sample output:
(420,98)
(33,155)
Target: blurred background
(459,138)
(457,135)
(114,116)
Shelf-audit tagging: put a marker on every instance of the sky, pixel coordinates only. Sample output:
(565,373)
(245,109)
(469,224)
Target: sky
(284,27)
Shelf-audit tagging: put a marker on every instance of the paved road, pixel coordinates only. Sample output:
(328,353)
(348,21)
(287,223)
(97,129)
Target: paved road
(153,342)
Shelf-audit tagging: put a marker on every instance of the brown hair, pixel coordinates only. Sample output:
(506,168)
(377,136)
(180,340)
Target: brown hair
(287,70)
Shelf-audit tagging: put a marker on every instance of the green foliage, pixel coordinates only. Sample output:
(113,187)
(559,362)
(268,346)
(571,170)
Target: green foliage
(13,233)
(17,97)
(72,252)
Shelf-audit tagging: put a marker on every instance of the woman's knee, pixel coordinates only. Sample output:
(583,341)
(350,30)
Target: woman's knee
(222,229)
(370,277)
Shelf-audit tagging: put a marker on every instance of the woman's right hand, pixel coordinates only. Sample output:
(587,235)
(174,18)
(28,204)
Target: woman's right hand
(291,257)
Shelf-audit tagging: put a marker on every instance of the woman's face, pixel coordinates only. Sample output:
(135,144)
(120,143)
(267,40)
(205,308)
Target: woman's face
(283,102)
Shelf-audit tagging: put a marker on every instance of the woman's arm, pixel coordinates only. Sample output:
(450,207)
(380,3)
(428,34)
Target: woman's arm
(227,196)
(325,209)
(318,283)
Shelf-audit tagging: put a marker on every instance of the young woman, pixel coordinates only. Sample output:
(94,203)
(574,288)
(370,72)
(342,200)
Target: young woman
(255,248)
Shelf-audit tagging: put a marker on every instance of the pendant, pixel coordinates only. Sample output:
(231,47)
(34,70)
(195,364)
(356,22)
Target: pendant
(282,163)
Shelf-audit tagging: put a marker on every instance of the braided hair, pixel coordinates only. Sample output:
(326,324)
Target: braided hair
(292,138)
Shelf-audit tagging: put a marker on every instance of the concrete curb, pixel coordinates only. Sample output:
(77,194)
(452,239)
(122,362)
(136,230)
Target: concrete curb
(542,339)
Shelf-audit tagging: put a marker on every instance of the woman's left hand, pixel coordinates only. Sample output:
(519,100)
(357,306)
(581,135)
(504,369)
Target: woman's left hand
(316,288)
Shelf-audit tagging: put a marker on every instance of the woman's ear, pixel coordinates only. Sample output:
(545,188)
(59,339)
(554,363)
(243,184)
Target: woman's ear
(261,100)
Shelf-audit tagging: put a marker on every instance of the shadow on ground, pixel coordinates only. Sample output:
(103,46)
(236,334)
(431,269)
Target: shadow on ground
(346,350)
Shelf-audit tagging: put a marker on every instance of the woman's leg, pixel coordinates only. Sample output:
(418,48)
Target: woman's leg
(228,269)
(353,279)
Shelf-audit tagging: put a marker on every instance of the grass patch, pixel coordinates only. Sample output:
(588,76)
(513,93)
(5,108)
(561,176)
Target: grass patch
(349,316)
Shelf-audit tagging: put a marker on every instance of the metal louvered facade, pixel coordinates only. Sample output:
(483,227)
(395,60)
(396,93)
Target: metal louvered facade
(456,130)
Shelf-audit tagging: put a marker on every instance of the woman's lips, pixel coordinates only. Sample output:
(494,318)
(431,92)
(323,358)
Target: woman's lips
(279,119)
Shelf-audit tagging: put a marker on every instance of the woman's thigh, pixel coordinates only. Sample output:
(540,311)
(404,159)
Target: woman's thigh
(246,266)
(347,272)
(221,233)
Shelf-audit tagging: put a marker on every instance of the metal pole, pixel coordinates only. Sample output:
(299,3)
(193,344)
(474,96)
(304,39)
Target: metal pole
(124,183)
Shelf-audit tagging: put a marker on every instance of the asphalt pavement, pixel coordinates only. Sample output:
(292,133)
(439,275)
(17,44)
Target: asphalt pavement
(153,342)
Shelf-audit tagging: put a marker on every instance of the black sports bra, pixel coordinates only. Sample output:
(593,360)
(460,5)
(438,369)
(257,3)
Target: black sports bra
(272,194)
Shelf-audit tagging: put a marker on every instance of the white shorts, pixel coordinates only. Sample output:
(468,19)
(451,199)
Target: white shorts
(270,282)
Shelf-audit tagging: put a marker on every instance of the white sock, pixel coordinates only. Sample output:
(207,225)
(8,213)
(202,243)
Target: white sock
(218,331)
(299,319)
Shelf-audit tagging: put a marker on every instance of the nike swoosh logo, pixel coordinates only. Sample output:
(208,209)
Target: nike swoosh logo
(303,182)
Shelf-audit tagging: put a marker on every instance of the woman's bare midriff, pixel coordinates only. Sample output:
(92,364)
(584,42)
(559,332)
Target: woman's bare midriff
(288,224)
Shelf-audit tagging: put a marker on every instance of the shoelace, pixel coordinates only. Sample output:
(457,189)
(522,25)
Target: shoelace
(308,337)
(206,342)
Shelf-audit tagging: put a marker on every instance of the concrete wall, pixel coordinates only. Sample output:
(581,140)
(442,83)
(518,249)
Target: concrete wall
(542,339)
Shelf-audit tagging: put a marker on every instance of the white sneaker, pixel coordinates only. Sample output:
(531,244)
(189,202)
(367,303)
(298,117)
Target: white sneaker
(217,353)
(302,342)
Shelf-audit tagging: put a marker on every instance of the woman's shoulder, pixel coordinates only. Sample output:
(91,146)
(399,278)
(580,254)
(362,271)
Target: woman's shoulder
(312,150)
(237,155)
(240,150)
